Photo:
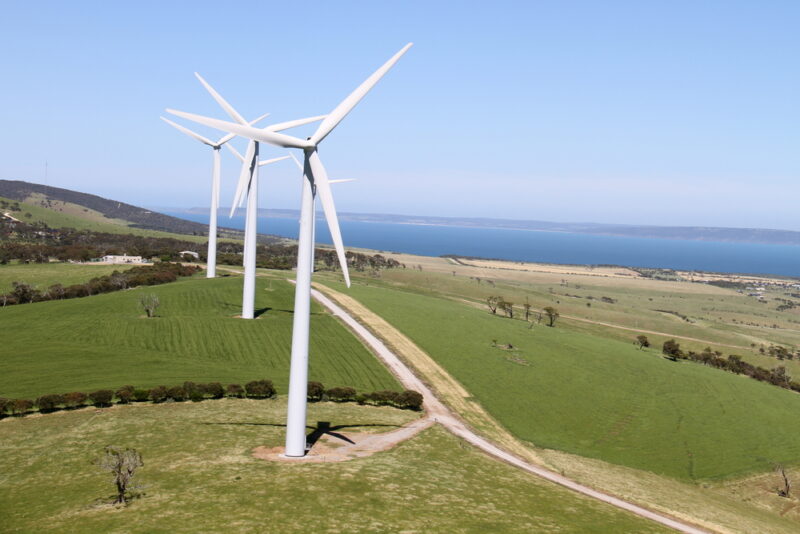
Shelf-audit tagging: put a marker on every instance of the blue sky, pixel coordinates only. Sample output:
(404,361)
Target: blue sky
(680,113)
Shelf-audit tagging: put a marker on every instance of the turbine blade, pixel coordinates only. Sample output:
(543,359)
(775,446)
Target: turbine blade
(297,162)
(273,160)
(326,198)
(342,181)
(293,124)
(341,111)
(232,113)
(273,138)
(188,132)
(230,136)
(235,153)
(258,119)
(244,176)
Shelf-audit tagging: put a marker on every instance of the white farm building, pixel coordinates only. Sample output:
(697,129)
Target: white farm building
(123,259)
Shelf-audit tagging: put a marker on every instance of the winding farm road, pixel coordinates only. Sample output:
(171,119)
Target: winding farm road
(444,416)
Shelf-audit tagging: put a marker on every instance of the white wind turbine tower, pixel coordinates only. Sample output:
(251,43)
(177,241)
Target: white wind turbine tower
(248,184)
(316,182)
(211,268)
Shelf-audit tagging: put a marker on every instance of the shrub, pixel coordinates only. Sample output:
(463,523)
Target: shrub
(125,394)
(260,389)
(384,398)
(212,389)
(141,395)
(235,390)
(49,403)
(345,394)
(672,350)
(5,405)
(75,399)
(101,397)
(361,399)
(158,394)
(410,400)
(177,393)
(196,396)
(315,391)
(21,406)
(189,388)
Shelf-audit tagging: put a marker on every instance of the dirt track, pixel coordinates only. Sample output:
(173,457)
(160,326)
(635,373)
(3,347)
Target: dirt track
(458,398)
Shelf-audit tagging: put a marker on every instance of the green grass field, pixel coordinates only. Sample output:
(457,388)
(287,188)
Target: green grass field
(66,215)
(104,341)
(199,476)
(598,397)
(43,275)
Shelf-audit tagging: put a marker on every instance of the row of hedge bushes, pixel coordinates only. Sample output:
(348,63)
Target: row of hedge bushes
(733,363)
(255,389)
(145,275)
(406,400)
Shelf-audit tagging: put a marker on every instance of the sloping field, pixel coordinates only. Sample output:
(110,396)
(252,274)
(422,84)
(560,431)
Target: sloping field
(105,341)
(598,397)
(43,275)
(199,476)
(68,215)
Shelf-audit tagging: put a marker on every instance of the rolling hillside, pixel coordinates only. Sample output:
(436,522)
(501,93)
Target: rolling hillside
(59,208)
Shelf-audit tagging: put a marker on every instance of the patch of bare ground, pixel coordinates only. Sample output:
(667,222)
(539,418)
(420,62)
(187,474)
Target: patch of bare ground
(338,446)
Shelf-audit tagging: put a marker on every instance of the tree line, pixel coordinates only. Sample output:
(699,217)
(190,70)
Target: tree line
(732,363)
(496,302)
(145,275)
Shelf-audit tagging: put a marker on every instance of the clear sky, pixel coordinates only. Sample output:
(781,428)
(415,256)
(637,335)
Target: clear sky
(645,112)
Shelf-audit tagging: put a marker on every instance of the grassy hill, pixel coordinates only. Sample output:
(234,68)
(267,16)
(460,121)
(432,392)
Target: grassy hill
(87,206)
(104,341)
(598,397)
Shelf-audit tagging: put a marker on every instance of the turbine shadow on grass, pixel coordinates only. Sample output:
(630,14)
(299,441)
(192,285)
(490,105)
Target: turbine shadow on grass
(322,428)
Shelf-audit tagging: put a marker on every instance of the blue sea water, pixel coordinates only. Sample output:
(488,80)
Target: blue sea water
(548,247)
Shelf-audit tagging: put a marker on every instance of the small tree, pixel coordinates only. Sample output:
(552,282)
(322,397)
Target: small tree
(527,307)
(315,391)
(75,399)
(49,403)
(235,390)
(101,397)
(672,350)
(344,394)
(411,400)
(260,389)
(122,464)
(552,315)
(787,486)
(158,394)
(213,389)
(642,341)
(149,304)
(493,302)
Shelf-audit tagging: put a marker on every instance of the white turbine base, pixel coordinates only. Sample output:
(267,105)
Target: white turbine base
(298,373)
(211,257)
(249,289)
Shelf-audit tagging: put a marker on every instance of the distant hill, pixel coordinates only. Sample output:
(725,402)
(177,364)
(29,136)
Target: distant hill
(135,217)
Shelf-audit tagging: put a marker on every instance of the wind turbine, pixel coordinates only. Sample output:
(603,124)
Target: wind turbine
(211,267)
(316,182)
(248,185)
(314,211)
(248,181)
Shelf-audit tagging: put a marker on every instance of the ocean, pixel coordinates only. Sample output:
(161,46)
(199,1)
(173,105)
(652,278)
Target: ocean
(545,247)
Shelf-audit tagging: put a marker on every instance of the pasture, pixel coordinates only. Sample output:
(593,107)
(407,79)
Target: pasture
(43,275)
(105,341)
(199,475)
(599,397)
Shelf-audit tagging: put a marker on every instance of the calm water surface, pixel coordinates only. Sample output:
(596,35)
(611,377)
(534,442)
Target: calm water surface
(549,247)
